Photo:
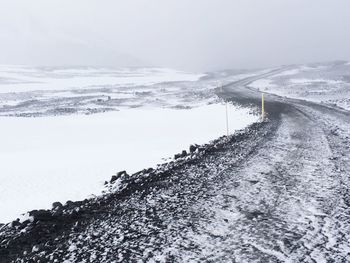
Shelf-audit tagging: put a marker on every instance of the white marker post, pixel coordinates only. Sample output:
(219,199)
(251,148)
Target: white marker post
(226,120)
(262,107)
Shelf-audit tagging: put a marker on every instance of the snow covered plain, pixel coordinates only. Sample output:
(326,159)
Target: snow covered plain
(24,78)
(68,152)
(278,192)
(322,82)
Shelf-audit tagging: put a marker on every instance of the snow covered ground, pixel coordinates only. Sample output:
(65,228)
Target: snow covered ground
(327,83)
(25,78)
(182,90)
(64,155)
(276,193)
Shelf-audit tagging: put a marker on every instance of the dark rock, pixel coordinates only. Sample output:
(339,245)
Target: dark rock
(57,212)
(41,215)
(57,205)
(113,179)
(149,170)
(193,148)
(253,181)
(137,173)
(70,204)
(15,223)
(25,223)
(121,173)
(201,148)
(78,203)
(253,214)
(180,155)
(177,156)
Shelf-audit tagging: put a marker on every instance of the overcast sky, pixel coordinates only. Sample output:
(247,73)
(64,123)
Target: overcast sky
(193,35)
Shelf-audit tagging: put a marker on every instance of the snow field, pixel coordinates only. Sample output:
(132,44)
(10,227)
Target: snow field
(23,78)
(50,159)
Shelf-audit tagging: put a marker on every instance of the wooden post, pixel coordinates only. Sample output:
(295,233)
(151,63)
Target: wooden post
(262,107)
(226,120)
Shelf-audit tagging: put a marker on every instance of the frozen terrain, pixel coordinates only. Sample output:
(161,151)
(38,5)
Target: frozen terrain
(327,83)
(62,158)
(53,92)
(277,191)
(26,91)
(25,78)
(112,121)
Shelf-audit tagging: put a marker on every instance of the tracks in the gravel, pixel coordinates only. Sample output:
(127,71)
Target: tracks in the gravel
(148,222)
(273,195)
(309,158)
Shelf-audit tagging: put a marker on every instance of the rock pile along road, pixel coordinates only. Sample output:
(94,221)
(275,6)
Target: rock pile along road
(278,192)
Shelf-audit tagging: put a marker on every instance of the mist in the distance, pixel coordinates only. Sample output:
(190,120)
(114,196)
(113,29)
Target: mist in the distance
(191,35)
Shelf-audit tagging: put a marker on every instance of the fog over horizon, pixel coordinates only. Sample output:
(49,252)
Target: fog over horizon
(197,35)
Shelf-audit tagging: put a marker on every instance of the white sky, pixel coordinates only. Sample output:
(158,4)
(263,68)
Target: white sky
(184,34)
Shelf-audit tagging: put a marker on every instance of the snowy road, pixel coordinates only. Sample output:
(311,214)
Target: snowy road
(293,191)
(277,193)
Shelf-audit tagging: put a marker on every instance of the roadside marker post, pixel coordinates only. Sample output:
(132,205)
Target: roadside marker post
(226,119)
(262,107)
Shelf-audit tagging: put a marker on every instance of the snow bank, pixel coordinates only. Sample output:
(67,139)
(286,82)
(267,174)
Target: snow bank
(69,157)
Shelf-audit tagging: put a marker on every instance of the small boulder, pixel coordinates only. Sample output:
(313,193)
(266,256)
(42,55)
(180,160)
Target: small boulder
(177,156)
(193,148)
(70,204)
(15,223)
(41,215)
(149,170)
(121,173)
(57,205)
(113,179)
(180,155)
